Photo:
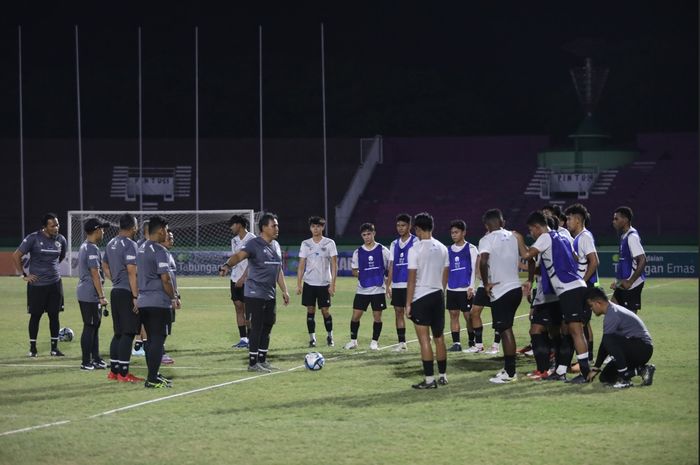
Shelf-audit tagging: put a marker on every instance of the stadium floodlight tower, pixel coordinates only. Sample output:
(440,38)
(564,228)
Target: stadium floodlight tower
(589,82)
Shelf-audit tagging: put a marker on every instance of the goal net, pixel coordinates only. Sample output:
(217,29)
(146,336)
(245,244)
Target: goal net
(202,238)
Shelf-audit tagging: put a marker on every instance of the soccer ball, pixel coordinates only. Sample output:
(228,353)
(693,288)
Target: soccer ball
(314,361)
(65,334)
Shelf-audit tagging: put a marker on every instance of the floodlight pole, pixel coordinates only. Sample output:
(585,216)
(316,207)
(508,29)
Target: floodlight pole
(260,114)
(323,105)
(80,135)
(21,129)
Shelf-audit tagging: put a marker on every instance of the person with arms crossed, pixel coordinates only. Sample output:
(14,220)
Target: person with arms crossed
(498,266)
(317,269)
(264,272)
(428,269)
(369,266)
(119,263)
(460,283)
(398,274)
(90,293)
(629,273)
(239,227)
(559,262)
(46,249)
(156,297)
(626,339)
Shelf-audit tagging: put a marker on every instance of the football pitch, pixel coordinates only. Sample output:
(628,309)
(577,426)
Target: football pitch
(360,409)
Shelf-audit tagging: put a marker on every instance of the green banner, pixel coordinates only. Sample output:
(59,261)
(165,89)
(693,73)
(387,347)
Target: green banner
(660,264)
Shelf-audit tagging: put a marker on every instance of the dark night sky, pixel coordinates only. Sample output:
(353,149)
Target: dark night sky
(453,68)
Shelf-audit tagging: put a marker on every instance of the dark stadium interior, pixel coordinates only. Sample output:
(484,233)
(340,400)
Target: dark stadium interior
(465,98)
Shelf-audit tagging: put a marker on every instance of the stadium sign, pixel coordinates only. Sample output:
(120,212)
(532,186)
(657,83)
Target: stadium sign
(660,264)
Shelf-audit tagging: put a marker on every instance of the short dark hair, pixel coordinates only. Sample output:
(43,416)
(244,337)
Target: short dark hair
(317,220)
(626,212)
(265,219)
(48,216)
(493,214)
(155,223)
(127,221)
(242,220)
(556,211)
(552,222)
(596,293)
(405,217)
(459,224)
(366,227)
(423,221)
(536,218)
(577,209)
(145,224)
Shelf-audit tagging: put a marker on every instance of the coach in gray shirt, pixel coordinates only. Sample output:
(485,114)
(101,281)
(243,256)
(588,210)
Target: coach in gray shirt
(91,294)
(264,273)
(156,296)
(46,249)
(625,338)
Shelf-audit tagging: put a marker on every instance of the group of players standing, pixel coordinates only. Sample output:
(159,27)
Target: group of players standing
(144,293)
(562,288)
(415,272)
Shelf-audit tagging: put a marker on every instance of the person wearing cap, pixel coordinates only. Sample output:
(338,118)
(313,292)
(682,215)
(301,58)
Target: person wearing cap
(46,249)
(91,296)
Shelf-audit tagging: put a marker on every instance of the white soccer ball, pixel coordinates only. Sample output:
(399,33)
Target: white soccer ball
(314,361)
(65,334)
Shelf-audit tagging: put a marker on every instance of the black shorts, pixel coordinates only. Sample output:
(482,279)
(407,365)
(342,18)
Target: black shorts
(362,301)
(457,300)
(428,311)
(398,297)
(503,309)
(481,298)
(546,314)
(91,313)
(47,299)
(573,306)
(313,295)
(631,299)
(155,320)
(261,310)
(124,320)
(237,292)
(169,326)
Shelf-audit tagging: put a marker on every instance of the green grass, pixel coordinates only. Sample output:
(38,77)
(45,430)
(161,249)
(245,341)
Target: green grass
(358,409)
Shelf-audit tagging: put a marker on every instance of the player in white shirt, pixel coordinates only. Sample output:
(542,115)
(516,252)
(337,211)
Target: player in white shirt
(398,274)
(561,266)
(369,265)
(577,217)
(629,273)
(428,269)
(499,263)
(461,283)
(556,211)
(316,275)
(239,227)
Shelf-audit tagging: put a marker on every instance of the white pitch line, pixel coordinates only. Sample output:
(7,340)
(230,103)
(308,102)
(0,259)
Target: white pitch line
(32,428)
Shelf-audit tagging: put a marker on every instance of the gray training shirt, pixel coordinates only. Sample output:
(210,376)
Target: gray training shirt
(120,252)
(152,260)
(89,258)
(622,322)
(264,264)
(45,253)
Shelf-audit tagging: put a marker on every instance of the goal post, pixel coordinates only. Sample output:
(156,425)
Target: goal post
(202,237)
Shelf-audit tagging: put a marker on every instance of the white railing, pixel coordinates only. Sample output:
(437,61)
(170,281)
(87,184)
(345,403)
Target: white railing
(371,154)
